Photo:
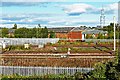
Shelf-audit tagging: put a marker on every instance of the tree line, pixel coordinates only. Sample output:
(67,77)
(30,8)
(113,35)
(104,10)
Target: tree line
(36,32)
(110,30)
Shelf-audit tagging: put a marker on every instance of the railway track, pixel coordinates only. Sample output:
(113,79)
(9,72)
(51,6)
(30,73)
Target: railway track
(81,60)
(48,55)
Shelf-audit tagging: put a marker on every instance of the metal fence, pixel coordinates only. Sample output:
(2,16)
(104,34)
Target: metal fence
(37,41)
(33,41)
(101,40)
(28,71)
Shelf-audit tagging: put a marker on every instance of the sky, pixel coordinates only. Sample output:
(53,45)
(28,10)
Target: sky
(56,13)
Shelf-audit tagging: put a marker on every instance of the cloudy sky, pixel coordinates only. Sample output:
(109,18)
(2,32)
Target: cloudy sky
(55,13)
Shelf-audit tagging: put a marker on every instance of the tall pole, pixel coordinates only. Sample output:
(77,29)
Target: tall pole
(114,34)
(102,18)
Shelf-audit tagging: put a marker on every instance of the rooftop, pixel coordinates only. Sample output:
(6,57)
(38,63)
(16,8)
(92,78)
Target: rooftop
(68,29)
(94,32)
(61,29)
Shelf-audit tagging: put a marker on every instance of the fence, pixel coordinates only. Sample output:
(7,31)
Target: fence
(101,40)
(36,41)
(27,71)
(33,41)
(7,70)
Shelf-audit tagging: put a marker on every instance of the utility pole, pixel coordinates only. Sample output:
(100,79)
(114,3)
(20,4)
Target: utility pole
(114,35)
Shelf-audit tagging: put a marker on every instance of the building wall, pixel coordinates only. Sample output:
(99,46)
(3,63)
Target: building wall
(75,35)
(61,35)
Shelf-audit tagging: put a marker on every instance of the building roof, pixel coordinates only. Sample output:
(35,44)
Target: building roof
(61,29)
(87,28)
(94,32)
(67,29)
(78,28)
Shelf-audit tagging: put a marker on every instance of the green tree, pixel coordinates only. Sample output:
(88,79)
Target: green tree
(39,25)
(15,26)
(80,76)
(4,32)
(117,35)
(110,35)
(22,33)
(99,71)
(39,32)
(33,32)
(108,70)
(100,36)
(52,34)
(44,32)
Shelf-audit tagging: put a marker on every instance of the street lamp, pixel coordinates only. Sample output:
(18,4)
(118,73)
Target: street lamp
(114,34)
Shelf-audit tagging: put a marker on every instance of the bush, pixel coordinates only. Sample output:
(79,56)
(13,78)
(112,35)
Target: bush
(80,76)
(16,47)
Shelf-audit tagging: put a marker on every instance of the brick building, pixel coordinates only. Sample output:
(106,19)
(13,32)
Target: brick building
(76,32)
(61,32)
(68,32)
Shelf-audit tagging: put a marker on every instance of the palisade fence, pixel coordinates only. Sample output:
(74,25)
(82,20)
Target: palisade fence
(33,41)
(37,41)
(27,71)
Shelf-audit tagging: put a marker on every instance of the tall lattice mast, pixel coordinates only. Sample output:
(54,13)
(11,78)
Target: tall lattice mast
(102,18)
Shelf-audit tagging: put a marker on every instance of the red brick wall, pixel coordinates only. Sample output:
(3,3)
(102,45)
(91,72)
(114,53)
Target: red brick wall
(75,35)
